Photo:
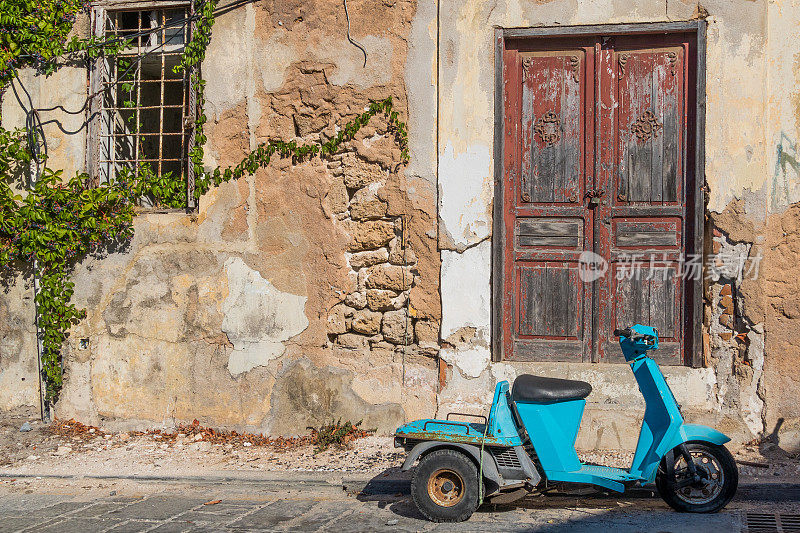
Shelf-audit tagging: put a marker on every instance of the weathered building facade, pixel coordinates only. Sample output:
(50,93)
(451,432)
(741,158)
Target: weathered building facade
(358,288)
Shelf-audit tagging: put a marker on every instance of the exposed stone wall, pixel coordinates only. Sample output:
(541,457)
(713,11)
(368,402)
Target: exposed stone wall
(733,344)
(376,313)
(303,293)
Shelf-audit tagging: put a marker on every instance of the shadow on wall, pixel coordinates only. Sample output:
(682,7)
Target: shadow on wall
(306,395)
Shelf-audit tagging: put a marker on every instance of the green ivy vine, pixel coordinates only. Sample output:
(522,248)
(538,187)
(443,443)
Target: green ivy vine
(56,221)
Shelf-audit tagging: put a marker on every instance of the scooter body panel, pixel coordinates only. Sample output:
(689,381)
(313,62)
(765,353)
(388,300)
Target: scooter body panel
(662,418)
(552,428)
(685,433)
(697,432)
(501,420)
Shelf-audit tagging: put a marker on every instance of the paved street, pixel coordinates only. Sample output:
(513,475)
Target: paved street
(176,508)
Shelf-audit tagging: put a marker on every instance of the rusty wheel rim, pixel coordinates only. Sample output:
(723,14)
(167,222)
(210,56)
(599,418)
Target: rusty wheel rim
(445,487)
(711,484)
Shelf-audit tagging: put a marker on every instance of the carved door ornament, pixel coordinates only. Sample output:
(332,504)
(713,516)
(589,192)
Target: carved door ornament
(548,128)
(673,58)
(526,64)
(575,65)
(623,60)
(646,126)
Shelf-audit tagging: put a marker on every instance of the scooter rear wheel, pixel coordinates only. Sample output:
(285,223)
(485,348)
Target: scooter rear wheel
(719,479)
(445,486)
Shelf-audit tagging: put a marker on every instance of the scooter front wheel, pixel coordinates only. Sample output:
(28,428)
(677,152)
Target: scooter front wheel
(713,487)
(445,486)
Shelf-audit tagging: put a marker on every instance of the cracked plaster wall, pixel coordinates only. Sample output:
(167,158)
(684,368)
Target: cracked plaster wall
(158,350)
(752,172)
(229,315)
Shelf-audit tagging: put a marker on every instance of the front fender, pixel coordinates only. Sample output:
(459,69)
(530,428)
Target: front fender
(687,433)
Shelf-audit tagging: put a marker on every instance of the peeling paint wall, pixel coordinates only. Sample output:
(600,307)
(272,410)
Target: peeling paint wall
(302,294)
(752,174)
(352,288)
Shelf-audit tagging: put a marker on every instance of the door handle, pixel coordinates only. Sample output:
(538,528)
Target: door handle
(594,196)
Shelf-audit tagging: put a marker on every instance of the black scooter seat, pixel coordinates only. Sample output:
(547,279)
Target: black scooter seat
(536,389)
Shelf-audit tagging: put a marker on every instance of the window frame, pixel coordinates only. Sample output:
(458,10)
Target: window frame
(694,359)
(97,74)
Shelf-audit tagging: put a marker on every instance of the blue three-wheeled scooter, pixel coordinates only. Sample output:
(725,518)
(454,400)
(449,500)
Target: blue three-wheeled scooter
(527,443)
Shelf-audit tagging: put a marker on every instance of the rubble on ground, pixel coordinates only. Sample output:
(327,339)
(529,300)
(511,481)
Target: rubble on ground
(69,447)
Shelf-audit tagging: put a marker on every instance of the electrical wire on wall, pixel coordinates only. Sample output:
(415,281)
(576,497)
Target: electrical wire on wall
(183,22)
(349,38)
(37,147)
(404,246)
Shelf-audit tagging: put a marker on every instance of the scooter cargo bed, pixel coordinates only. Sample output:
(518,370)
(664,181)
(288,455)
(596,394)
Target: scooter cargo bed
(452,431)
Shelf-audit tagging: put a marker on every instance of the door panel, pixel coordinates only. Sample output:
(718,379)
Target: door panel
(594,143)
(550,301)
(552,126)
(546,220)
(641,226)
(649,124)
(550,233)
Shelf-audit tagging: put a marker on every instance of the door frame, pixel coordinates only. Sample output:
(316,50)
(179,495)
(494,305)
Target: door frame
(695,224)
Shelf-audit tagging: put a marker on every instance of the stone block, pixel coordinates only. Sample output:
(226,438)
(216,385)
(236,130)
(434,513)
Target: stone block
(337,323)
(400,256)
(397,328)
(358,173)
(427,332)
(366,322)
(307,124)
(391,277)
(725,290)
(356,300)
(371,235)
(380,300)
(352,340)
(337,197)
(365,205)
(369,258)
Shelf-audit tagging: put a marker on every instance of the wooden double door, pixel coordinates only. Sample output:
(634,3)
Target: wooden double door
(597,195)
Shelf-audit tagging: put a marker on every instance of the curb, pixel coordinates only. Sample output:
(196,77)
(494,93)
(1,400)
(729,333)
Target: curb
(367,485)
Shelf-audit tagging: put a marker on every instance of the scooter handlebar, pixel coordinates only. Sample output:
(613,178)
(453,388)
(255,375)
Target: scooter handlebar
(632,335)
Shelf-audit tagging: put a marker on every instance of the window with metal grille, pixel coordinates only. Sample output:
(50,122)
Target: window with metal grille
(143,116)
